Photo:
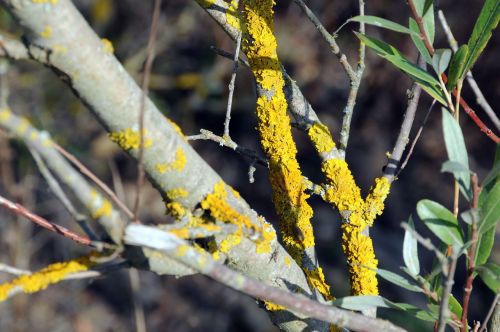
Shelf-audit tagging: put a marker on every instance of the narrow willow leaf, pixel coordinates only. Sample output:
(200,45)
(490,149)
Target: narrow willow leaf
(440,221)
(484,246)
(490,274)
(425,9)
(441,60)
(383,23)
(419,44)
(454,167)
(455,146)
(490,209)
(457,66)
(494,174)
(455,306)
(363,302)
(398,280)
(470,216)
(420,76)
(410,251)
(418,313)
(486,22)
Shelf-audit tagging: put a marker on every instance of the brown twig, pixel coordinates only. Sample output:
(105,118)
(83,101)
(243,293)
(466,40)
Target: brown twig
(22,211)
(145,83)
(471,253)
(469,111)
(88,173)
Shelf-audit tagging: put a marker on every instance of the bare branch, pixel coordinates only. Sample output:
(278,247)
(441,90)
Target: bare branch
(231,86)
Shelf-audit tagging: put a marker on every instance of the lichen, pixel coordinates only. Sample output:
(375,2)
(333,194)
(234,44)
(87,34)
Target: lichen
(176,165)
(46,32)
(23,126)
(177,193)
(175,209)
(129,139)
(53,2)
(232,16)
(263,246)
(321,138)
(183,233)
(43,278)
(5,114)
(288,261)
(182,250)
(316,279)
(206,3)
(107,45)
(176,128)
(273,306)
(99,206)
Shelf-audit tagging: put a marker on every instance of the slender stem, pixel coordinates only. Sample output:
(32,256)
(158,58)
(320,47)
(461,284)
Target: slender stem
(490,312)
(145,83)
(444,311)
(231,86)
(22,211)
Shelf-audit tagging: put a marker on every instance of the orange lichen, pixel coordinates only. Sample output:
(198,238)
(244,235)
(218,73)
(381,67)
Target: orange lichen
(183,233)
(129,139)
(230,241)
(182,250)
(321,138)
(107,45)
(273,306)
(374,203)
(206,3)
(176,165)
(177,193)
(42,279)
(263,246)
(175,209)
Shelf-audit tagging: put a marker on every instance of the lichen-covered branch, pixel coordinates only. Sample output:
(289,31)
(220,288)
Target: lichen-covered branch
(185,181)
(289,194)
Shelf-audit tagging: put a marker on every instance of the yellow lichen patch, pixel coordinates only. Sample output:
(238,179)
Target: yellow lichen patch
(176,128)
(374,203)
(60,49)
(230,241)
(183,233)
(206,3)
(99,206)
(107,45)
(42,279)
(177,193)
(176,165)
(273,306)
(182,250)
(47,32)
(53,2)
(232,16)
(275,130)
(23,125)
(288,261)
(263,246)
(34,135)
(175,209)
(317,280)
(130,139)
(5,114)
(361,259)
(321,138)
(220,209)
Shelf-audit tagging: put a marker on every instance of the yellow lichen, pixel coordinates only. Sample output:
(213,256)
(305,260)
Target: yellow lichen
(206,3)
(107,45)
(129,139)
(42,279)
(176,209)
(374,203)
(47,32)
(317,280)
(23,126)
(177,193)
(321,138)
(230,241)
(182,250)
(5,114)
(99,206)
(183,233)
(187,81)
(177,165)
(60,49)
(176,128)
(53,2)
(288,261)
(263,246)
(232,16)
(273,306)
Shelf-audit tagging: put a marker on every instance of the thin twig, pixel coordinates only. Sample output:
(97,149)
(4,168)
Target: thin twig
(330,39)
(444,311)
(415,140)
(22,211)
(145,83)
(135,285)
(404,133)
(480,98)
(181,251)
(12,270)
(231,86)
(353,91)
(490,312)
(88,173)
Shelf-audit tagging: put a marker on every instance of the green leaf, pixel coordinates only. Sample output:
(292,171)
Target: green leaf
(457,66)
(455,306)
(398,280)
(441,60)
(425,9)
(410,251)
(486,22)
(440,221)
(490,274)
(419,44)
(455,146)
(470,216)
(490,209)
(363,302)
(454,167)
(418,313)
(494,174)
(484,246)
(383,23)
(391,54)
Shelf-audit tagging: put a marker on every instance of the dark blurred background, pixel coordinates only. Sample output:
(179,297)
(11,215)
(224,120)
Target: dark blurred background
(189,84)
